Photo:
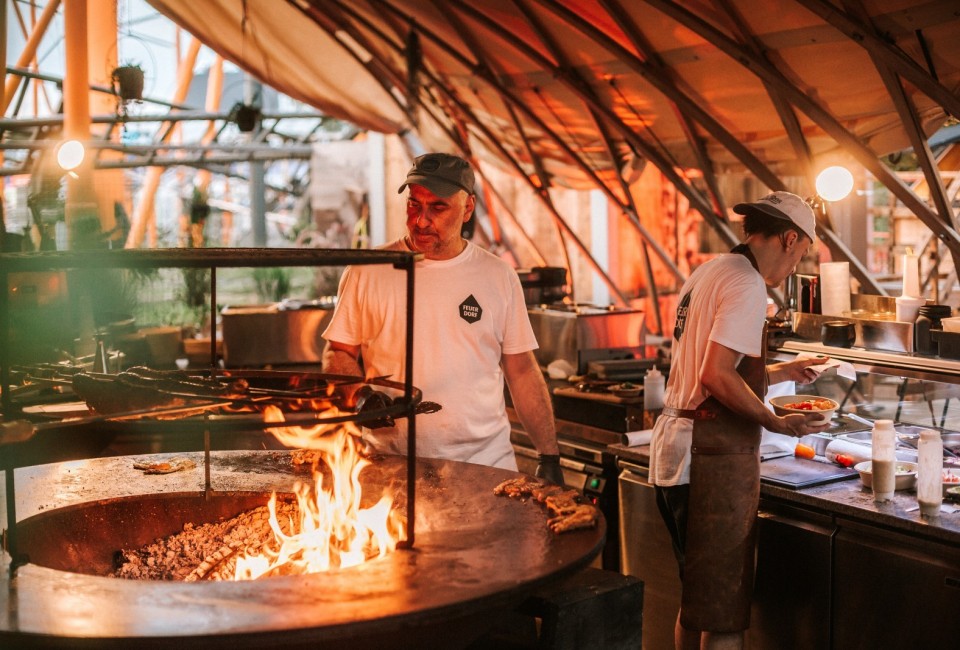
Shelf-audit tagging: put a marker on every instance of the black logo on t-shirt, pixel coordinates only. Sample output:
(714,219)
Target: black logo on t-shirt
(681,323)
(470,310)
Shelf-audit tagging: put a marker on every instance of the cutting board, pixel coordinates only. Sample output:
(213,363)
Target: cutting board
(797,473)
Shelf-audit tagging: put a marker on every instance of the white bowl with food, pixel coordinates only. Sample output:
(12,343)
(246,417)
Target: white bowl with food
(906,476)
(804,404)
(951,478)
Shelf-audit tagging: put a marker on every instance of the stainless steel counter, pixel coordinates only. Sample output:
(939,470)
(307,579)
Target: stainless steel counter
(848,499)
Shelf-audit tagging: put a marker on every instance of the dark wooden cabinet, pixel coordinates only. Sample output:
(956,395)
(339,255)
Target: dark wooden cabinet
(791,603)
(893,591)
(823,581)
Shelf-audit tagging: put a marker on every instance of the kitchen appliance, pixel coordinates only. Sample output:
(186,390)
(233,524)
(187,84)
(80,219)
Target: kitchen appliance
(543,284)
(586,467)
(646,552)
(583,333)
(276,334)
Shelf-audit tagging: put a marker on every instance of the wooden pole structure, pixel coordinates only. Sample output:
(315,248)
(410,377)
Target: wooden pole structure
(144,211)
(80,210)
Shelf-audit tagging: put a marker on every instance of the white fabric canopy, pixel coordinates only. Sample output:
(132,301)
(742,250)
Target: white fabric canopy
(569,92)
(547,74)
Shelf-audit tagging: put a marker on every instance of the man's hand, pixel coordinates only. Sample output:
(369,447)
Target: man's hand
(798,424)
(797,370)
(549,469)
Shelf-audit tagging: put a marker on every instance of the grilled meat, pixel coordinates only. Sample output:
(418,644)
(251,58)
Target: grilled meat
(517,487)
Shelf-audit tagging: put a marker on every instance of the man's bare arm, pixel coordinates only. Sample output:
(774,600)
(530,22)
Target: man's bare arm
(531,400)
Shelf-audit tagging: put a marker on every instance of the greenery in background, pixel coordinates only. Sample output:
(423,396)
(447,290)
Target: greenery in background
(273,283)
(195,287)
(181,297)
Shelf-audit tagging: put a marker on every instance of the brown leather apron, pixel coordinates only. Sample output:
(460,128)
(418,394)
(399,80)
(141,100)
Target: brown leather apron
(724,495)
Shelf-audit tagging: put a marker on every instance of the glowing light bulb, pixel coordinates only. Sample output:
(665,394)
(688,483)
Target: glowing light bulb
(70,154)
(834,183)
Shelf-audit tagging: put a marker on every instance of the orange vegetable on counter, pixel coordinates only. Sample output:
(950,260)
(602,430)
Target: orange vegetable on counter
(845,460)
(803,451)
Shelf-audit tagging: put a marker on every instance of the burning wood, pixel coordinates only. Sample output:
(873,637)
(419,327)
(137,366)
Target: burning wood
(197,552)
(326,527)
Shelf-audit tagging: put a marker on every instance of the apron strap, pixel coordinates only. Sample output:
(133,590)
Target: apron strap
(719,451)
(693,414)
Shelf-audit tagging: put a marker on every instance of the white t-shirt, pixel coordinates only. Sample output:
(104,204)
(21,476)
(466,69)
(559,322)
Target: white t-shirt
(468,312)
(728,301)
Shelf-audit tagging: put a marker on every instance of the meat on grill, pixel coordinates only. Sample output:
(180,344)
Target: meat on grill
(564,507)
(140,388)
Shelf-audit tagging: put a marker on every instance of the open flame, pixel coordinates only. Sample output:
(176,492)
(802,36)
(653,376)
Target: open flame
(332,530)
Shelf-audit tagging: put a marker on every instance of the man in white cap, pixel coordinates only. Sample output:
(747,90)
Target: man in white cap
(704,451)
(471,331)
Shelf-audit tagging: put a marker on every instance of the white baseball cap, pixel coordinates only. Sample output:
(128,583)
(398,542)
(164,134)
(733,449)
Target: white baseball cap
(784,205)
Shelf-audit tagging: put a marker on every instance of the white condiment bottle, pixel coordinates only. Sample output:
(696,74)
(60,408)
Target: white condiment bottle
(883,460)
(930,473)
(653,386)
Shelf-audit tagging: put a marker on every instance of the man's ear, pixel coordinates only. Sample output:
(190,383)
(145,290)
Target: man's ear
(791,239)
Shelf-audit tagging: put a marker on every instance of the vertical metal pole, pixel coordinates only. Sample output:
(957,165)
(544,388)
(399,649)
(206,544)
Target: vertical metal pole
(11,534)
(411,417)
(253,92)
(213,322)
(206,461)
(7,399)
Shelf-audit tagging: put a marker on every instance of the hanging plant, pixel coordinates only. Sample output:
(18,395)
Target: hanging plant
(128,82)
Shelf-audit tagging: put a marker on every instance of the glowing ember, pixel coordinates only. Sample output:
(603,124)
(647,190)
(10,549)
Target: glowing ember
(333,529)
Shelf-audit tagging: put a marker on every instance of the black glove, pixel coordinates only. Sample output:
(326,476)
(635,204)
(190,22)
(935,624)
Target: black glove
(369,399)
(549,469)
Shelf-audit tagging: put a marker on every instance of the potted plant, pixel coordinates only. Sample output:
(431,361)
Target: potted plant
(128,82)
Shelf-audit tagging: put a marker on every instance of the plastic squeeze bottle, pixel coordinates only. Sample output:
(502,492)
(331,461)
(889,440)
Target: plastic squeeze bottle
(653,384)
(883,460)
(930,473)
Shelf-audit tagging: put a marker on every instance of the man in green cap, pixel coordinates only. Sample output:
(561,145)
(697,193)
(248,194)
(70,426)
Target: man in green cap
(471,331)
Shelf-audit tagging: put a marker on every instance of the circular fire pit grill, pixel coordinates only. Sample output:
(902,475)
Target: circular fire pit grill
(477,554)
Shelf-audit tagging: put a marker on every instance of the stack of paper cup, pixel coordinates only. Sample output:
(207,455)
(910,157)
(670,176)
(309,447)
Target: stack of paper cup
(911,276)
(910,302)
(834,288)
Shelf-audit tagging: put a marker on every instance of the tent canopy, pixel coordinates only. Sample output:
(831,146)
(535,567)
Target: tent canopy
(553,83)
(580,92)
